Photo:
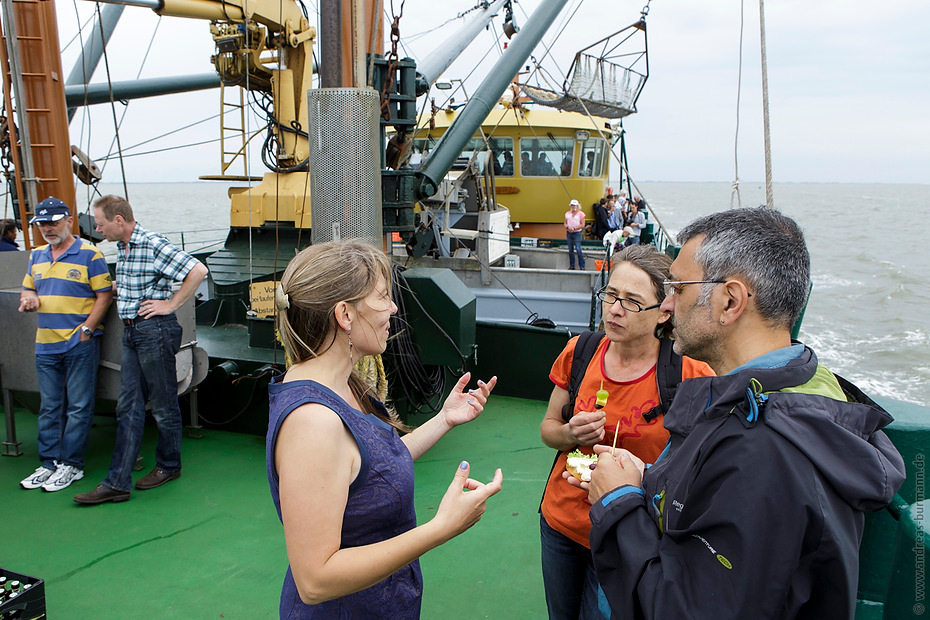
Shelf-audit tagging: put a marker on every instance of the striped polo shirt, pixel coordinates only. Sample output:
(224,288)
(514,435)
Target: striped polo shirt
(67,288)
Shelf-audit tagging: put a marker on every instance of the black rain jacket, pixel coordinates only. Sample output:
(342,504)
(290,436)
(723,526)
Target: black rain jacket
(756,508)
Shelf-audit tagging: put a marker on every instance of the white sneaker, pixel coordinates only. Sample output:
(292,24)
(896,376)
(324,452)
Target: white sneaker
(62,478)
(38,477)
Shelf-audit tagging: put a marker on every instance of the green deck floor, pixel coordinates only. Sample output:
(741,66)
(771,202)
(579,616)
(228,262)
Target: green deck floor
(209,545)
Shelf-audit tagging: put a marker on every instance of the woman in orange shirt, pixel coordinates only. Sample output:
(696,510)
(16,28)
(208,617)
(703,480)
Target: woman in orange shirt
(624,365)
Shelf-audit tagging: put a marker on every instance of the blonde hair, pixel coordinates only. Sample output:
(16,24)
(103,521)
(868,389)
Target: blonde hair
(315,281)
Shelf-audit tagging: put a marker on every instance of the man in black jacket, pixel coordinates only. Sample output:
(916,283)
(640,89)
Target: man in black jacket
(600,228)
(756,508)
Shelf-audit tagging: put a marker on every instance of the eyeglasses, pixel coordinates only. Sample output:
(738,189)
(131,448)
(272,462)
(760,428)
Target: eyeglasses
(627,304)
(673,287)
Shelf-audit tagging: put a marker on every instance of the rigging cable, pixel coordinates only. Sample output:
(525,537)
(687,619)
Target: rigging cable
(122,165)
(624,169)
(173,131)
(418,35)
(734,192)
(85,114)
(548,47)
(419,383)
(164,150)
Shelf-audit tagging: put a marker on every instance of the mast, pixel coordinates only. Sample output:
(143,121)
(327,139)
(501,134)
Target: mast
(769,192)
(33,86)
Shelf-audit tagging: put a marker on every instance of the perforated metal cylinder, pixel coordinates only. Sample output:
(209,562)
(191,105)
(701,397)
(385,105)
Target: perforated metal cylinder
(345,164)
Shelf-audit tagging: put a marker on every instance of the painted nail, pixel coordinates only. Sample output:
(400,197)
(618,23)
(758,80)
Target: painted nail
(463,465)
(470,402)
(471,391)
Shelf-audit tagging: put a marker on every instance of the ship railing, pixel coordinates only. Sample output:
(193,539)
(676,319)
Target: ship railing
(661,238)
(202,241)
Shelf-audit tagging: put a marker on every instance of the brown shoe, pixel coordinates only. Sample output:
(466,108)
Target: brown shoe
(156,478)
(100,495)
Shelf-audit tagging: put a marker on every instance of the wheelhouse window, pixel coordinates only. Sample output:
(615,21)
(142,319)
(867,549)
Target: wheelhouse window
(501,153)
(592,157)
(546,156)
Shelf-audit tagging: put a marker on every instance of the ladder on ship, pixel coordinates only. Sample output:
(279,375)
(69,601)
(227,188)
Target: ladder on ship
(37,143)
(233,136)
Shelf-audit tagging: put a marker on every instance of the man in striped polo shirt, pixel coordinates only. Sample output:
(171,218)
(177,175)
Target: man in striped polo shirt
(67,282)
(147,265)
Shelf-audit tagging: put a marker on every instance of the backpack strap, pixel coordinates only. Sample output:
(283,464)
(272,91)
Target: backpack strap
(587,344)
(668,376)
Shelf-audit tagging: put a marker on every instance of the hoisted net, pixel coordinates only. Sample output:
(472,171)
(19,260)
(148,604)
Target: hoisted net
(598,85)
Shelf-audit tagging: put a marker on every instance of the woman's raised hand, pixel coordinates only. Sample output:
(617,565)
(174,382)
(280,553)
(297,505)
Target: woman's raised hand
(464,502)
(464,406)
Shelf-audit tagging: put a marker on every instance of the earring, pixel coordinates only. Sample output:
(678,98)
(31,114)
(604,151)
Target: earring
(351,346)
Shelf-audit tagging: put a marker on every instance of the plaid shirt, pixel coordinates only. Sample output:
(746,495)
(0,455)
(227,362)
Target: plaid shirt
(146,268)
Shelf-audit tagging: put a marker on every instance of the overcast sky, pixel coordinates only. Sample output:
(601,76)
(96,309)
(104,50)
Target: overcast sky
(849,86)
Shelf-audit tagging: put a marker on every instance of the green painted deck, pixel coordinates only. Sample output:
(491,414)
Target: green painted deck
(209,545)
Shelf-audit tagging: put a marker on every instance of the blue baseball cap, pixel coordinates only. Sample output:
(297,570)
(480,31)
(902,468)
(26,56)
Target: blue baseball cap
(50,210)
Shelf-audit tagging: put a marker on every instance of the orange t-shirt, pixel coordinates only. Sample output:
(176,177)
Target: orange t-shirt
(566,507)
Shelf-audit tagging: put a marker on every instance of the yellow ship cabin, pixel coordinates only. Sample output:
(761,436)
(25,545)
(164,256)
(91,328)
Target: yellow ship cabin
(542,160)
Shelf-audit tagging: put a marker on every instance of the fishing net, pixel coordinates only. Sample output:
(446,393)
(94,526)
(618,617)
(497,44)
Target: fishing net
(597,86)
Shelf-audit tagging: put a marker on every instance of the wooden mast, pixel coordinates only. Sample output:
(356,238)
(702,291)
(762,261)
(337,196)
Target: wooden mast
(32,64)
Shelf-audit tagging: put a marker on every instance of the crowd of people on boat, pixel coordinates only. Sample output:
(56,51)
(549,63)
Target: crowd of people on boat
(618,221)
(620,215)
(731,470)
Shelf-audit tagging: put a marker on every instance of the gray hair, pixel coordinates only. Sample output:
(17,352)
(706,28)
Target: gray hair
(765,249)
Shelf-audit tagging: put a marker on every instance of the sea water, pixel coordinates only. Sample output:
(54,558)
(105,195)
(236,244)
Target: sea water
(868,315)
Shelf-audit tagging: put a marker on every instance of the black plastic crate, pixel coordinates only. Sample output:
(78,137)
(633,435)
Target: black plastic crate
(30,603)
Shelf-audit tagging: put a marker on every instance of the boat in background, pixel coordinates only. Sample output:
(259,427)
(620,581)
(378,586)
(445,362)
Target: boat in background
(540,158)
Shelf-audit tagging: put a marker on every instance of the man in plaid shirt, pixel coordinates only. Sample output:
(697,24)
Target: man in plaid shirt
(147,265)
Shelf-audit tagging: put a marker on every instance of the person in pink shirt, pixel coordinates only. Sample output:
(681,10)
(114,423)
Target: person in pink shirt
(574,224)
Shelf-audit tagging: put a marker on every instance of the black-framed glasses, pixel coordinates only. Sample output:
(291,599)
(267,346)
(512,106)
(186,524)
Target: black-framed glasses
(627,304)
(673,287)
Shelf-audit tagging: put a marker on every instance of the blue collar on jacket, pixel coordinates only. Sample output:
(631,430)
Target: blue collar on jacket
(773,359)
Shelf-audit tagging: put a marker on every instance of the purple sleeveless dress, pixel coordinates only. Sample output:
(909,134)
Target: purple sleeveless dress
(379,505)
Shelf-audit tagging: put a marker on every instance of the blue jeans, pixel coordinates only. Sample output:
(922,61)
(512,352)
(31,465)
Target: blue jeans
(68,387)
(148,372)
(572,591)
(574,247)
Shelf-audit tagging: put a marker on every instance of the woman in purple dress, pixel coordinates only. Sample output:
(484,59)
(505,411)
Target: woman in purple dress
(339,465)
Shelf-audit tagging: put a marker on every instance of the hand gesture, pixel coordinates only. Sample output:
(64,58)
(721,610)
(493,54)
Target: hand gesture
(461,406)
(587,427)
(464,502)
